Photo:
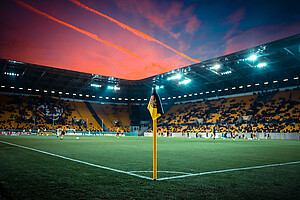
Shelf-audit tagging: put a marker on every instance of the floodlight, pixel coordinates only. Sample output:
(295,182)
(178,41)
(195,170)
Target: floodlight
(12,87)
(285,79)
(248,85)
(2,86)
(37,90)
(233,88)
(213,91)
(20,88)
(95,85)
(257,84)
(186,81)
(216,67)
(275,81)
(163,98)
(29,89)
(45,91)
(296,78)
(266,83)
(113,98)
(261,65)
(52,92)
(80,95)
(252,57)
(241,87)
(59,92)
(177,76)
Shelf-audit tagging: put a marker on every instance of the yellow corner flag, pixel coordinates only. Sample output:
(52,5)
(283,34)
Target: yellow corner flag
(154,106)
(156,111)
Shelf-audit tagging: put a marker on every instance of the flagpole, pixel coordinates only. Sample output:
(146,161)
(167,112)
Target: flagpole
(154,149)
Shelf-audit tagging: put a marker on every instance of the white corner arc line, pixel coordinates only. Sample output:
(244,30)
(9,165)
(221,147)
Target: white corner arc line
(229,170)
(78,161)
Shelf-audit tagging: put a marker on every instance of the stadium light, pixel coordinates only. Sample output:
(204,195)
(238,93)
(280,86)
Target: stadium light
(219,90)
(159,87)
(20,88)
(106,97)
(252,57)
(241,87)
(260,65)
(296,78)
(139,99)
(163,98)
(29,89)
(216,67)
(2,86)
(233,88)
(174,97)
(169,97)
(87,95)
(190,95)
(132,99)
(67,93)
(185,95)
(248,85)
(145,99)
(37,90)
(80,95)
(201,93)
(59,92)
(195,94)
(12,87)
(119,99)
(226,89)
(96,85)
(266,83)
(275,81)
(213,91)
(93,96)
(256,84)
(185,81)
(113,87)
(74,94)
(100,97)
(113,98)
(126,99)
(285,80)
(207,92)
(179,97)
(177,76)
(45,91)
(52,92)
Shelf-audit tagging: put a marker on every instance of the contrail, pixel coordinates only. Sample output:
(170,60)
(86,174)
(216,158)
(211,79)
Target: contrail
(134,31)
(91,35)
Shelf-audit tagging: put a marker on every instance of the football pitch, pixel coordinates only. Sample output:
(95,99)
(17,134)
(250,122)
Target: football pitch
(107,167)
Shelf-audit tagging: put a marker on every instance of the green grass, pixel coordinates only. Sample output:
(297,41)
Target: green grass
(26,174)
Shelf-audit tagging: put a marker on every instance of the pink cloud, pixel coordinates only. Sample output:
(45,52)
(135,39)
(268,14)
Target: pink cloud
(192,25)
(236,17)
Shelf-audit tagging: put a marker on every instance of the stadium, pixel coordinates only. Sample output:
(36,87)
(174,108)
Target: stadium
(74,106)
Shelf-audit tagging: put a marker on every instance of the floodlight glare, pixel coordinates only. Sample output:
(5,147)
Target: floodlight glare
(216,67)
(186,81)
(261,65)
(95,85)
(252,57)
(177,76)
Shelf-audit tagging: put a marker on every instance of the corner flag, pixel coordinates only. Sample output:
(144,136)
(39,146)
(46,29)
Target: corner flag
(156,111)
(154,106)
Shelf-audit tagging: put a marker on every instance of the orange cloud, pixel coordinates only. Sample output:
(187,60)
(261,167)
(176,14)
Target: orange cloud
(91,35)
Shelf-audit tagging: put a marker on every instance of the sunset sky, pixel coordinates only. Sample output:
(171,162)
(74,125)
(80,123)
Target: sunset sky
(136,39)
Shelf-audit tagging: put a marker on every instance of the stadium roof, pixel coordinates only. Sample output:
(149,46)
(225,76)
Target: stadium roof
(275,64)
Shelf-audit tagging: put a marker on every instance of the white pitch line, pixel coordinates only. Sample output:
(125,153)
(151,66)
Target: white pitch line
(168,172)
(78,161)
(228,170)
